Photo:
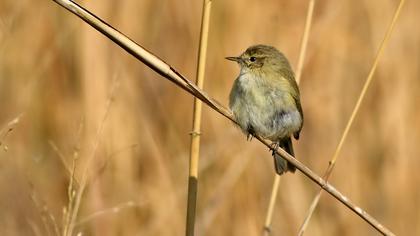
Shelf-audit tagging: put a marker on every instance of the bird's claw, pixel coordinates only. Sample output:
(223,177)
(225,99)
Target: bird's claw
(273,147)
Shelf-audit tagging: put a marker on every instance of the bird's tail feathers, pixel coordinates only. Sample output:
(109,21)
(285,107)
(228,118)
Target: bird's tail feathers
(281,165)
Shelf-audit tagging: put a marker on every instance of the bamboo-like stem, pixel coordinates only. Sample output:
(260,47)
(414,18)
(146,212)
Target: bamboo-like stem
(302,54)
(333,160)
(171,74)
(195,134)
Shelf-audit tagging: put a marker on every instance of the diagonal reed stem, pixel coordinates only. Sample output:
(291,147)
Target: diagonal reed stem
(195,134)
(333,160)
(302,54)
(171,74)
(304,42)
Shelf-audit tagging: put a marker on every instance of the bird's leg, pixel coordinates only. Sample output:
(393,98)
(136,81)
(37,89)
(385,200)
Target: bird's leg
(251,133)
(274,146)
(249,136)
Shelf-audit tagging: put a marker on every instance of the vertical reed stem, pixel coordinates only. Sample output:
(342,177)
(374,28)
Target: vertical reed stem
(195,134)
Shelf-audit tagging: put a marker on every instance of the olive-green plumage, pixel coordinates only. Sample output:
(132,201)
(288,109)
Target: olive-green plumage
(265,99)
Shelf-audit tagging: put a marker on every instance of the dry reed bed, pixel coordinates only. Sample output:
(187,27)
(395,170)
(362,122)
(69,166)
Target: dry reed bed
(56,87)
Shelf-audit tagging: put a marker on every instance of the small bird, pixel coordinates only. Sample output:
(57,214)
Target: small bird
(265,100)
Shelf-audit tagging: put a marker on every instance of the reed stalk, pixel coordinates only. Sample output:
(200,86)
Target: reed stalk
(195,134)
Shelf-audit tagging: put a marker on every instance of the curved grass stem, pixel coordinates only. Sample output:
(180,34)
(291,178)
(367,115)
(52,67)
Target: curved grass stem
(333,160)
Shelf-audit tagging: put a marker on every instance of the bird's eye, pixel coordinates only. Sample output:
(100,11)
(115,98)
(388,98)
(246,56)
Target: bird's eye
(252,59)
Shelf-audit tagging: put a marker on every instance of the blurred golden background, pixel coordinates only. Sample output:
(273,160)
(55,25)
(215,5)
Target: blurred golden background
(57,74)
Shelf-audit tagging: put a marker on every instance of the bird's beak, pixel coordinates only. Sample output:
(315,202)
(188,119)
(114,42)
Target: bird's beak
(237,59)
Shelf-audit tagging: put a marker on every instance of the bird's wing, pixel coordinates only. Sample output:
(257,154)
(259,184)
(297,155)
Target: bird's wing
(296,97)
(299,107)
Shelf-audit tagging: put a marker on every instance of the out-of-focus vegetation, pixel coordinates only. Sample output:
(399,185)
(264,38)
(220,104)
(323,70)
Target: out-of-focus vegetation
(56,74)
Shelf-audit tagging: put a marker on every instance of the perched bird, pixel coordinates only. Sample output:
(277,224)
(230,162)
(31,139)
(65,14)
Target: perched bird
(265,100)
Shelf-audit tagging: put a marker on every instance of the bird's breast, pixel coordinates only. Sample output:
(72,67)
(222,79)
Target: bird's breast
(269,111)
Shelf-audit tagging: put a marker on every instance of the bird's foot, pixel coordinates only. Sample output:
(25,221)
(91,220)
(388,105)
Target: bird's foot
(249,136)
(273,147)
(251,133)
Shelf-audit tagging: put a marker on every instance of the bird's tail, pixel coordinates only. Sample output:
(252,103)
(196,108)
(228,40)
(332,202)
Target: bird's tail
(280,164)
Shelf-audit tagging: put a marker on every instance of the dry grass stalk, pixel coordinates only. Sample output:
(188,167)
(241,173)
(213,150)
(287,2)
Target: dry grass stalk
(47,218)
(195,134)
(276,183)
(333,160)
(75,197)
(112,210)
(7,129)
(73,185)
(304,42)
(271,204)
(171,74)
(69,169)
